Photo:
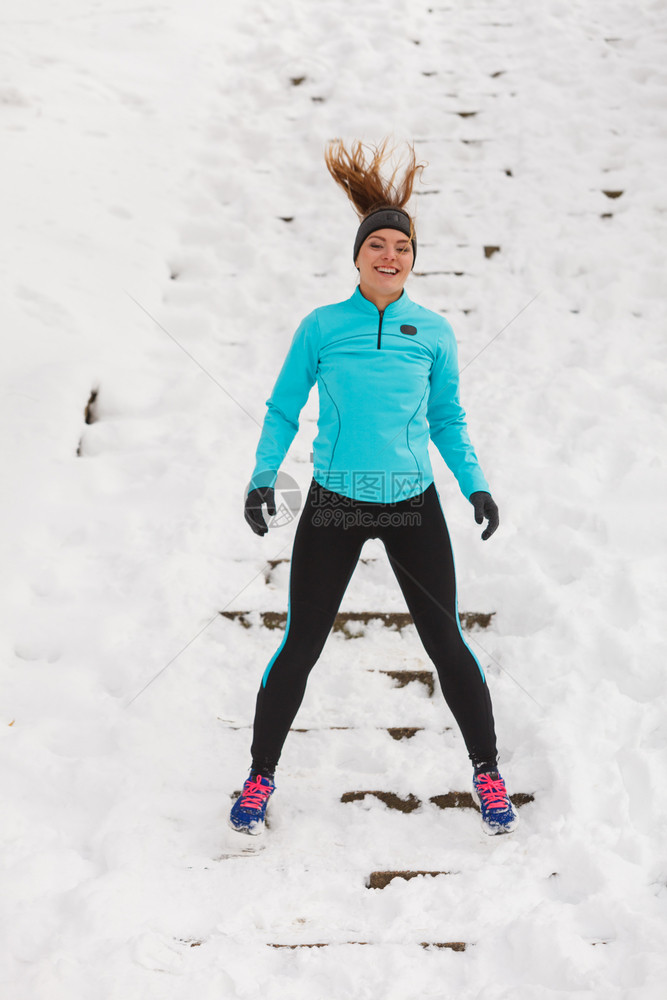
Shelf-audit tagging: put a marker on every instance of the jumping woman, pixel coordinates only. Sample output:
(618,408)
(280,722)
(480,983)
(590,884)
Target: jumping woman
(388,381)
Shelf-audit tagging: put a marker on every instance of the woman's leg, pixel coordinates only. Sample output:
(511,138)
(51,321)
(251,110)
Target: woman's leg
(325,553)
(420,554)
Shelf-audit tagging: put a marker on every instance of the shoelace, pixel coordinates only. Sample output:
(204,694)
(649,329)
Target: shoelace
(493,791)
(255,794)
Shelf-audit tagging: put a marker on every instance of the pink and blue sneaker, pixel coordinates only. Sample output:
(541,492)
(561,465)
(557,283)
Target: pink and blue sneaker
(249,811)
(490,794)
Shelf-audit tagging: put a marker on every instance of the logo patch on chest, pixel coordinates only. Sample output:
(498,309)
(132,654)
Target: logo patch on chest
(411,330)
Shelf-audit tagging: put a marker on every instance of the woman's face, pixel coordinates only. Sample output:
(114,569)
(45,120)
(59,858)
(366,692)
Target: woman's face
(384,262)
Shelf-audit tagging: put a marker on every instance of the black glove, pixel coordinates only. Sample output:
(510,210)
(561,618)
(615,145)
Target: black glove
(253,508)
(485,506)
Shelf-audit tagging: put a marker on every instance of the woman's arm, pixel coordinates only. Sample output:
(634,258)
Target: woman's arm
(447,419)
(289,396)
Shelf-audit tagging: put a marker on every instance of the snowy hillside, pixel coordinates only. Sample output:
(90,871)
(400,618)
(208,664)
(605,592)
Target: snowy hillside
(168,221)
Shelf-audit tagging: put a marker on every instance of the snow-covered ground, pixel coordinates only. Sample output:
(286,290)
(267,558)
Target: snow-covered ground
(167,222)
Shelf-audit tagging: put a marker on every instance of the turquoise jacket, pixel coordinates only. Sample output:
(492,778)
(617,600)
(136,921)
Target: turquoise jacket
(387,381)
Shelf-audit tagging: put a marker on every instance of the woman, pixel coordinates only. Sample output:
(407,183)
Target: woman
(387,376)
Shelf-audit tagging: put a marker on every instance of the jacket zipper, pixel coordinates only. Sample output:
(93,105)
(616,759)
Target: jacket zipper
(380,329)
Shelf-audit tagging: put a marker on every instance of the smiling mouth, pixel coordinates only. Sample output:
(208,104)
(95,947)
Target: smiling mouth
(387,270)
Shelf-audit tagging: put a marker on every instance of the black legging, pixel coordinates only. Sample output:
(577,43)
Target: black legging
(328,541)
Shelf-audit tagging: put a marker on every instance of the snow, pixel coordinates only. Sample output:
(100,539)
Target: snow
(151,155)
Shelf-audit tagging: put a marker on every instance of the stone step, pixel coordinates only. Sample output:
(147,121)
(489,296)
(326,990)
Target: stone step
(396,732)
(405,804)
(380,880)
(464,800)
(453,945)
(451,800)
(391,619)
(409,803)
(405,677)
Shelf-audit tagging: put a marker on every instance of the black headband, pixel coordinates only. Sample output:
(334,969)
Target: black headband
(385,218)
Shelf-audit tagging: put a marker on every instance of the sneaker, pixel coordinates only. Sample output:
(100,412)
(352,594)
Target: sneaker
(490,794)
(249,810)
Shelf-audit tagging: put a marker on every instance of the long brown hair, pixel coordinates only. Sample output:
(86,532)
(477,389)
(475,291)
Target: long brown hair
(359,172)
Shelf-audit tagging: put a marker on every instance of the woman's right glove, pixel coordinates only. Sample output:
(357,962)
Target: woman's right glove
(253,508)
(485,507)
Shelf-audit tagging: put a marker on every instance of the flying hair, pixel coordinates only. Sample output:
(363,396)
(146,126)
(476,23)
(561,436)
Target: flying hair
(359,172)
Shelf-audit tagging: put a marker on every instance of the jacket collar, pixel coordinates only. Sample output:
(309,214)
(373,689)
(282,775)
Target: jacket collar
(396,308)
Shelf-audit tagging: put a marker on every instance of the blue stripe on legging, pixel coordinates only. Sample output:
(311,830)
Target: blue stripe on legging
(458,622)
(456,605)
(277,652)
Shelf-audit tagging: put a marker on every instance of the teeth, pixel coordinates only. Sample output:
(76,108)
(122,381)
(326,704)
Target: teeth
(387,270)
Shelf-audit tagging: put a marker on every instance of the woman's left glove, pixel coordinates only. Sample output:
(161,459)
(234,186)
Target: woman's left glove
(485,506)
(253,508)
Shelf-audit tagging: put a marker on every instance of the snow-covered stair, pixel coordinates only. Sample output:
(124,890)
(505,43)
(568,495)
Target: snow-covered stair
(168,221)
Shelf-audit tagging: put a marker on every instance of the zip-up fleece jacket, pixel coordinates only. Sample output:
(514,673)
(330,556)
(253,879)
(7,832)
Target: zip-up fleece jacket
(387,381)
